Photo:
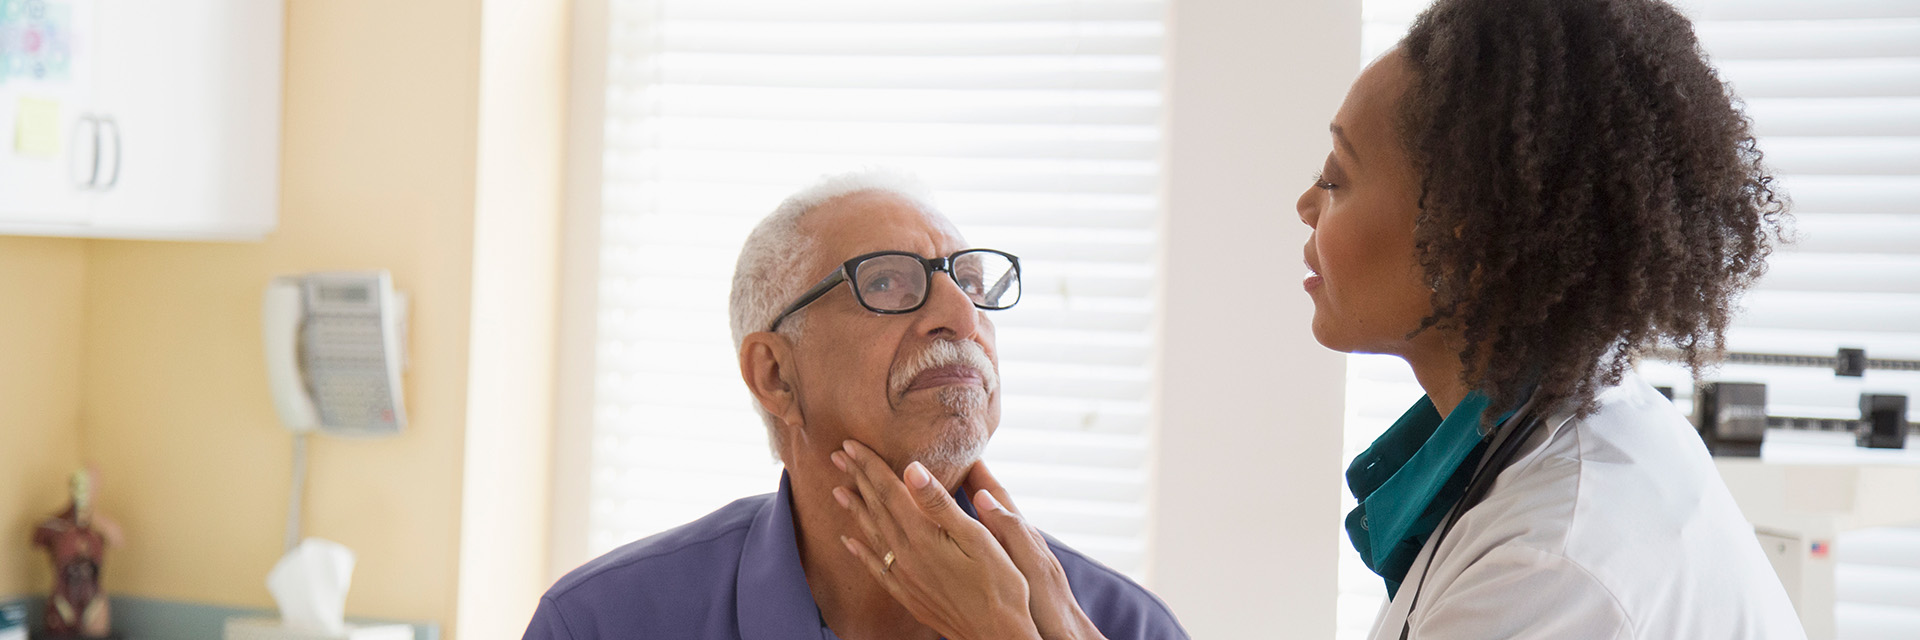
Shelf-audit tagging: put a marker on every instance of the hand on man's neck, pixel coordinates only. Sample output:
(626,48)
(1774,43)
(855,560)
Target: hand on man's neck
(852,603)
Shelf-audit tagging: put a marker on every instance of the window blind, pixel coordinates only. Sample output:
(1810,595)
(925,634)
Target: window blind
(1833,89)
(1037,126)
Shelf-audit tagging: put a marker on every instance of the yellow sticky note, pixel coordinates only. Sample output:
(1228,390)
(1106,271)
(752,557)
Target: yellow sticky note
(36,128)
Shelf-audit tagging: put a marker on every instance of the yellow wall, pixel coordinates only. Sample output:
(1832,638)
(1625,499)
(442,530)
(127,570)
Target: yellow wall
(41,280)
(378,171)
(144,358)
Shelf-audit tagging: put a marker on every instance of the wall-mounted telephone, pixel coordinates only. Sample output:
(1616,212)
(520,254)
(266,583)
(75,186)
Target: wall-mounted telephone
(334,352)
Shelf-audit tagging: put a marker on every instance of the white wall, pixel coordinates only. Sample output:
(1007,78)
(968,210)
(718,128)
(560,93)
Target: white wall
(1249,470)
(506,489)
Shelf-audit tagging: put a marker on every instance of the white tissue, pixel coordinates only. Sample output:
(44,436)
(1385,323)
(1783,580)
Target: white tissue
(310,584)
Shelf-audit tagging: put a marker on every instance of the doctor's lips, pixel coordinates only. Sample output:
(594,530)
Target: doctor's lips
(1312,280)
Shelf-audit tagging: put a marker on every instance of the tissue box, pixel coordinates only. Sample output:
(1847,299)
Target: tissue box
(270,629)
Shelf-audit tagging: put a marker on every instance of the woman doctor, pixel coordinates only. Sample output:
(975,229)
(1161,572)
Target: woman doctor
(1520,198)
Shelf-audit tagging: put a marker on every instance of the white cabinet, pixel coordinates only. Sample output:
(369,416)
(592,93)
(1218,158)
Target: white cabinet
(45,88)
(169,123)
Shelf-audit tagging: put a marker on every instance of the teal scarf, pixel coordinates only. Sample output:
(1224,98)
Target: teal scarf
(1408,480)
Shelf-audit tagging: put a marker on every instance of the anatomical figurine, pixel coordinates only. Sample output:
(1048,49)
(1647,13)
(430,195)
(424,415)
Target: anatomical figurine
(76,541)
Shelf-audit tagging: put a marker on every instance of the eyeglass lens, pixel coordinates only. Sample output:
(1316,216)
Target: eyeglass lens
(898,282)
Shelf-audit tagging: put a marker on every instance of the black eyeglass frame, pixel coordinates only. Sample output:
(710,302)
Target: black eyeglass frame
(846,274)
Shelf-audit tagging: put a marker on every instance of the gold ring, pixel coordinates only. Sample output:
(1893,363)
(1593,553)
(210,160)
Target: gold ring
(886,562)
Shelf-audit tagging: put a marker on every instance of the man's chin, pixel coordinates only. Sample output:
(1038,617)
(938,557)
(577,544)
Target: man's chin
(950,458)
(966,401)
(958,419)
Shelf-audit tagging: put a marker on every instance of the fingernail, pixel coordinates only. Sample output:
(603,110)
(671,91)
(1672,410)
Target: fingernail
(992,504)
(917,475)
(848,447)
(840,496)
(849,543)
(839,460)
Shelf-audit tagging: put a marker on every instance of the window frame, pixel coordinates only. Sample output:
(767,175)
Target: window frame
(579,301)
(1219,161)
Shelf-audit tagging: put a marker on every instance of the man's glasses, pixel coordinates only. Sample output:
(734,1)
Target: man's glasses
(898,281)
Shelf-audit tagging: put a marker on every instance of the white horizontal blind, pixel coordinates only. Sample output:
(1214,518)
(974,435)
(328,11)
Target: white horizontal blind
(1876,584)
(1834,92)
(1037,124)
(1833,88)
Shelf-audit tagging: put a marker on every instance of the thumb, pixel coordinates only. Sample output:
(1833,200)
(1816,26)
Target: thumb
(980,479)
(931,496)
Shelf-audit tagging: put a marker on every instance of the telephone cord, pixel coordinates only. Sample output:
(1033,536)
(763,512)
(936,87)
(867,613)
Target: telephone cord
(299,490)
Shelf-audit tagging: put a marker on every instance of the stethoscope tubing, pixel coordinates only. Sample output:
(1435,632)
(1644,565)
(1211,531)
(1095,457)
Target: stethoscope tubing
(1477,487)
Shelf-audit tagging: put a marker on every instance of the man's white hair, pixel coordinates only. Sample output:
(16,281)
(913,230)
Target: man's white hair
(771,271)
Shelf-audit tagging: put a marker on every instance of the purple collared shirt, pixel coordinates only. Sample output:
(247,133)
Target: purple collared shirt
(735,574)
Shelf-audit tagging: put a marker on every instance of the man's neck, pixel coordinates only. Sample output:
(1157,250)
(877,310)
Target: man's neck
(854,605)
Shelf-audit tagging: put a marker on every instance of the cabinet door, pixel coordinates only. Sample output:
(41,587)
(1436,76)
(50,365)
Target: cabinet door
(46,83)
(190,94)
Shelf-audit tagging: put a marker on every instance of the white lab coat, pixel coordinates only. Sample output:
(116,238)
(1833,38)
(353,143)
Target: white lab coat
(1614,526)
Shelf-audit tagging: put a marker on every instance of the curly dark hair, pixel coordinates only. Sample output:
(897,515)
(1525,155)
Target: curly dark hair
(1589,191)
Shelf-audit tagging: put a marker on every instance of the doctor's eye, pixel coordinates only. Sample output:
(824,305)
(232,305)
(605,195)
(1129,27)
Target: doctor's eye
(1319,182)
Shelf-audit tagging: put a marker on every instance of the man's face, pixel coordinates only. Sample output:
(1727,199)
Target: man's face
(915,386)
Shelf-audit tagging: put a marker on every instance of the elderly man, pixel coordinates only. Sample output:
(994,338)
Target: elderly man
(859,314)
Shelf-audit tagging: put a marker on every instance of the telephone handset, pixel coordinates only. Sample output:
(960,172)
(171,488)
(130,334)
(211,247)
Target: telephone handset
(334,352)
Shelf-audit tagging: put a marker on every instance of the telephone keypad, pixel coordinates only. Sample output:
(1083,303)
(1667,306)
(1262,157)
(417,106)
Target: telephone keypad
(346,360)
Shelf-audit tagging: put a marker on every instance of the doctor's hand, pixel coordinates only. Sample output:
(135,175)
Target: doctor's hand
(1055,611)
(953,573)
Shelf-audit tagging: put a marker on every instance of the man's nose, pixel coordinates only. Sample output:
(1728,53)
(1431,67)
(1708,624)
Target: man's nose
(948,309)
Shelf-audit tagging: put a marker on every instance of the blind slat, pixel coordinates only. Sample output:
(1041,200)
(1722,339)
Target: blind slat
(1811,39)
(1844,155)
(798,15)
(1842,77)
(1778,117)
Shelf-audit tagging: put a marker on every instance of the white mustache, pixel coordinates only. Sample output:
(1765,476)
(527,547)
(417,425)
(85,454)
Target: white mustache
(946,353)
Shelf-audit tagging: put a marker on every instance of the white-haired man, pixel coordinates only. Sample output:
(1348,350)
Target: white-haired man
(859,314)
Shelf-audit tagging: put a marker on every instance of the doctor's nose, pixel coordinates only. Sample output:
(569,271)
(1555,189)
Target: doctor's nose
(1308,206)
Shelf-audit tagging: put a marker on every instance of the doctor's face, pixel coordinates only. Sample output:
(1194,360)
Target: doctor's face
(1367,286)
(915,386)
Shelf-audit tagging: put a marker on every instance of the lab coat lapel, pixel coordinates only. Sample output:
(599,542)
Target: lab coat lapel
(1394,615)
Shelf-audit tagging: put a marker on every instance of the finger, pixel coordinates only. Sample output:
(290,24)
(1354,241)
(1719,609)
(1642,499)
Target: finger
(980,479)
(885,491)
(934,501)
(861,516)
(890,578)
(1024,544)
(864,554)
(935,505)
(1005,525)
(877,563)
(889,529)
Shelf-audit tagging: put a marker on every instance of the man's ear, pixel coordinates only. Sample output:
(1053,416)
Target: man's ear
(766,365)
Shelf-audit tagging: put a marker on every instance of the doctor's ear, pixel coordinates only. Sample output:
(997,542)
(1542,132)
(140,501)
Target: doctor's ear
(766,360)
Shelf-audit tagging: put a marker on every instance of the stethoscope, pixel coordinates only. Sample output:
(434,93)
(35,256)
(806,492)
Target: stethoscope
(1477,487)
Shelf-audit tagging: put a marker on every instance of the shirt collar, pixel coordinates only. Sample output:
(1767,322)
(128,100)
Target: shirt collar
(1408,479)
(771,598)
